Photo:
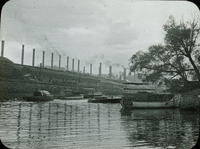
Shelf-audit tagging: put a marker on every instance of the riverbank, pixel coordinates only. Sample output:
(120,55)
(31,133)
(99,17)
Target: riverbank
(185,101)
(190,100)
(17,81)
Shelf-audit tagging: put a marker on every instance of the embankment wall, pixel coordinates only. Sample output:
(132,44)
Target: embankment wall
(22,80)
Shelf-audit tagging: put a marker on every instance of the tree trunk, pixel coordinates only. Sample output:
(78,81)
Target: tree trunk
(195,67)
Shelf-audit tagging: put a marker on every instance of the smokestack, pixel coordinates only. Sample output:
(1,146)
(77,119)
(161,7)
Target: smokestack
(73,64)
(100,67)
(2,48)
(84,69)
(67,62)
(52,60)
(90,69)
(124,74)
(43,57)
(78,65)
(120,76)
(33,60)
(59,61)
(110,71)
(22,58)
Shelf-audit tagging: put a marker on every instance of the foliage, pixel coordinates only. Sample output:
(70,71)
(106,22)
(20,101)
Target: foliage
(178,58)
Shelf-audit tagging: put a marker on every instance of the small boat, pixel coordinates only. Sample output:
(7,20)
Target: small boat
(151,101)
(105,99)
(40,95)
(143,96)
(74,97)
(89,92)
(92,95)
(150,104)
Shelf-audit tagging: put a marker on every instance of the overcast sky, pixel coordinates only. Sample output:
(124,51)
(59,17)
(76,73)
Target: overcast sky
(107,31)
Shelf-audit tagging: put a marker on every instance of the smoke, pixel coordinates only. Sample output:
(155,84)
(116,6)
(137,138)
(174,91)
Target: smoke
(25,33)
(101,58)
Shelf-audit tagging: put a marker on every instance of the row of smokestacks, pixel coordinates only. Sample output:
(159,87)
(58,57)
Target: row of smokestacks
(67,65)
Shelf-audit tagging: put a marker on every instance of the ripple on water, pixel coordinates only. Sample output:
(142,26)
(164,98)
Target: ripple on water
(79,124)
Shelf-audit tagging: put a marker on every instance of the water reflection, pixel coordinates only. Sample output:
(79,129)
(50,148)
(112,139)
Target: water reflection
(79,124)
(161,128)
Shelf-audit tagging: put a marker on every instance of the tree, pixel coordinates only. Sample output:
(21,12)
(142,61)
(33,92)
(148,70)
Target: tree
(178,58)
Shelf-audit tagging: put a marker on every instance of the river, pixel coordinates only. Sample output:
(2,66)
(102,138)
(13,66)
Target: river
(79,124)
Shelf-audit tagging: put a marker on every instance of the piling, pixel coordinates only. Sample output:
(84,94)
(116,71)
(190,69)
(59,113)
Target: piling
(67,62)
(110,71)
(73,64)
(22,57)
(100,68)
(59,61)
(78,65)
(2,48)
(33,59)
(52,60)
(90,69)
(43,58)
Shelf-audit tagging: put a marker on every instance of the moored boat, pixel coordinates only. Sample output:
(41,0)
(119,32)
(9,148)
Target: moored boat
(88,92)
(105,99)
(39,95)
(145,96)
(80,97)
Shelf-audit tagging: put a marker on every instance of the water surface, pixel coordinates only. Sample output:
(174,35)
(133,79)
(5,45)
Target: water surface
(79,124)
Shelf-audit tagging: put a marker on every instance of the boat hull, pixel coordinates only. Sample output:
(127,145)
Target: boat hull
(74,98)
(152,105)
(104,100)
(127,104)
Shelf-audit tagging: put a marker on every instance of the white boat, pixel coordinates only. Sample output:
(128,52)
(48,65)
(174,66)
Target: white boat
(150,104)
(143,96)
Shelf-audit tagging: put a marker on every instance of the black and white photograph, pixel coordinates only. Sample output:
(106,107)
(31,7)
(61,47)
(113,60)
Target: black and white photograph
(99,74)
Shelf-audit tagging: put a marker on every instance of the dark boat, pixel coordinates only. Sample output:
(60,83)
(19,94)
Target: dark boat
(89,93)
(79,97)
(105,99)
(40,95)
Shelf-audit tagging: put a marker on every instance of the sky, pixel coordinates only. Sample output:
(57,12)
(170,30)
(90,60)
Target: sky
(107,31)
